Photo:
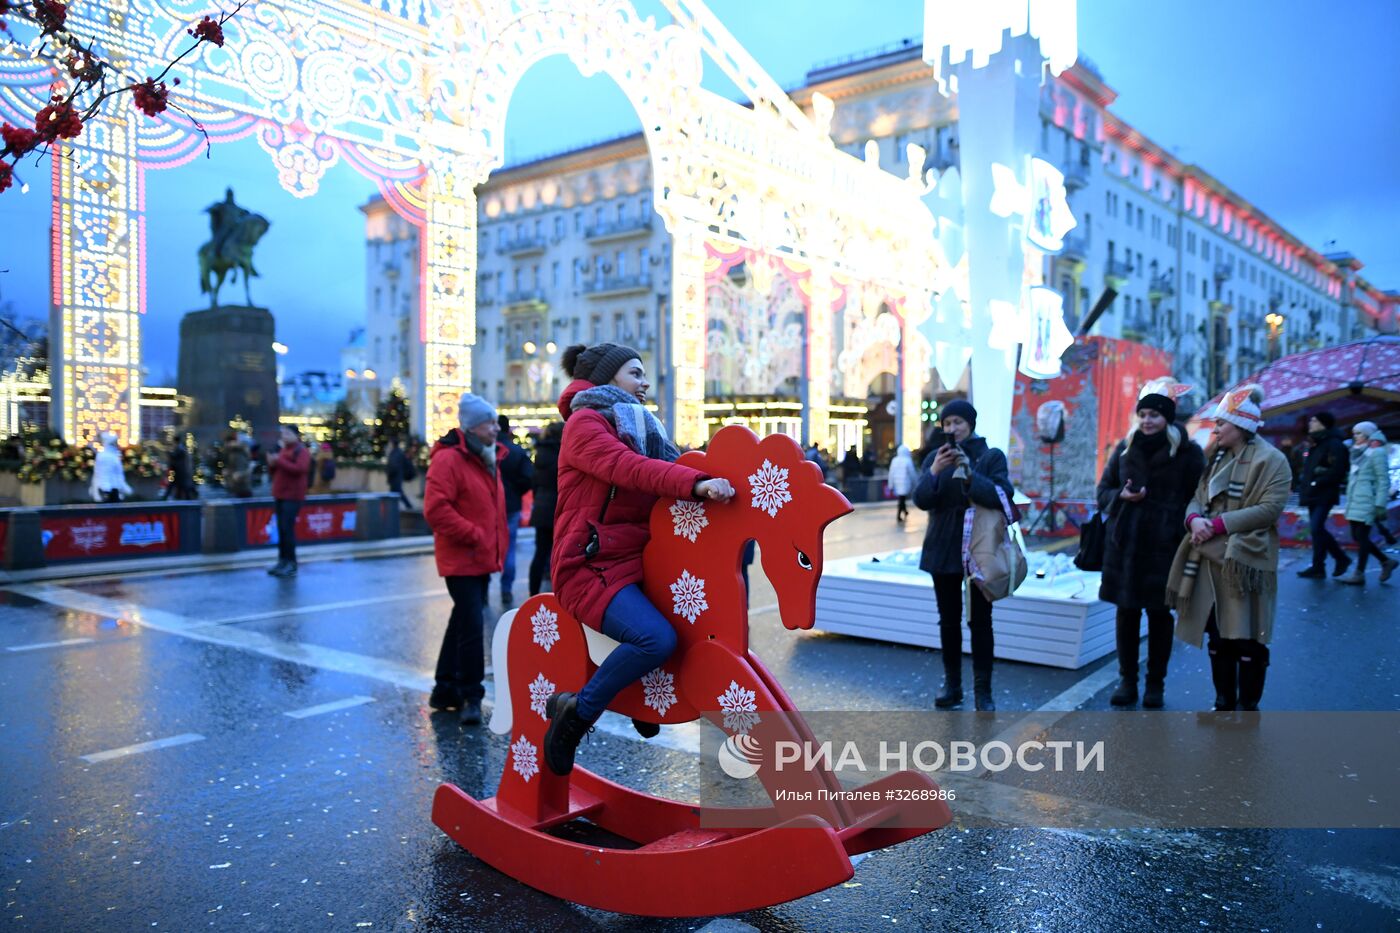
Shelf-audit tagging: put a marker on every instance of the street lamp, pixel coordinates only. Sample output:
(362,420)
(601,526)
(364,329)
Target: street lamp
(369,374)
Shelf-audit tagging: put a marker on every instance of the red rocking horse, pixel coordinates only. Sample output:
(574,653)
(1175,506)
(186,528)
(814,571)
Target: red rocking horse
(680,866)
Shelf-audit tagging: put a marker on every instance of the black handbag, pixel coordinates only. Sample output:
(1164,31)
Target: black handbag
(1091,544)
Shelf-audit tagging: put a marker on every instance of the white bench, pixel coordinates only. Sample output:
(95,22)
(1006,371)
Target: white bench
(1064,625)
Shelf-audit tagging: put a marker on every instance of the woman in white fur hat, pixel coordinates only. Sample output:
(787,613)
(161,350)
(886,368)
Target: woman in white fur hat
(1224,580)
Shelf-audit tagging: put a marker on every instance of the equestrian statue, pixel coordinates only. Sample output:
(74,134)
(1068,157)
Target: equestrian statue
(235,231)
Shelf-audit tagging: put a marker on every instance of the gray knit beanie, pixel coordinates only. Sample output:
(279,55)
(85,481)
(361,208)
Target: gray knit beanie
(473,410)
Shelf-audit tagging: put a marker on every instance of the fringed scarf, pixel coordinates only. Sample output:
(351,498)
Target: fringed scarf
(487,455)
(637,427)
(1244,556)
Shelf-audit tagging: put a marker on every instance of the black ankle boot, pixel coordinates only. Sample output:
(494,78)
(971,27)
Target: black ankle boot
(1126,694)
(566,729)
(982,692)
(1254,662)
(1152,697)
(647,730)
(951,695)
(1224,668)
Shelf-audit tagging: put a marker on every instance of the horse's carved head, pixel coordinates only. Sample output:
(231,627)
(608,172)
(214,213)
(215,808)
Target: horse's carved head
(781,502)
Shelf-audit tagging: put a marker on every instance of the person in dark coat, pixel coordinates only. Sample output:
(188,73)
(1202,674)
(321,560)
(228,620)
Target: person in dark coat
(850,467)
(615,461)
(465,505)
(1142,494)
(961,472)
(546,493)
(238,467)
(518,475)
(397,469)
(181,474)
(1320,485)
(290,466)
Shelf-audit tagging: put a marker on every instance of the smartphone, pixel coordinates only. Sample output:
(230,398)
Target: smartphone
(937,438)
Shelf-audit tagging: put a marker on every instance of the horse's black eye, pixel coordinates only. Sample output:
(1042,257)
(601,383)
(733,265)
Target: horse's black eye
(804,561)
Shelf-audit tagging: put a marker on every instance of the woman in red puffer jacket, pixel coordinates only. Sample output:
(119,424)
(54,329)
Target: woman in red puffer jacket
(614,463)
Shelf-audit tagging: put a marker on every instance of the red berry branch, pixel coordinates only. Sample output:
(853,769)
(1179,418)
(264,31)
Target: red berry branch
(81,83)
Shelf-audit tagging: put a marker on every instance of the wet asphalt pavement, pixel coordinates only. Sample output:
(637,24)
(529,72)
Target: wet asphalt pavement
(294,764)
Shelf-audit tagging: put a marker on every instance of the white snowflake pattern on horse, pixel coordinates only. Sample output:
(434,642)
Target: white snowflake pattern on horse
(688,597)
(688,518)
(546,625)
(740,710)
(659,690)
(524,758)
(540,692)
(769,488)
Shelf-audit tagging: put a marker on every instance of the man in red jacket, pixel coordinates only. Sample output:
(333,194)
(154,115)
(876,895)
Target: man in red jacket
(289,466)
(465,505)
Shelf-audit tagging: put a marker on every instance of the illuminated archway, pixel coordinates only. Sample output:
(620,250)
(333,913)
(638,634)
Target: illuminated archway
(413,93)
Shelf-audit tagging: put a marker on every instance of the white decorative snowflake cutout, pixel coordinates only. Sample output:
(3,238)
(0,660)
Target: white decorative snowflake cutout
(769,488)
(524,758)
(540,692)
(689,518)
(546,625)
(660,690)
(688,597)
(740,710)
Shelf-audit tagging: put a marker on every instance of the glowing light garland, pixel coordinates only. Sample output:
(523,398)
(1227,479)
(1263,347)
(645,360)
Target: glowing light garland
(413,93)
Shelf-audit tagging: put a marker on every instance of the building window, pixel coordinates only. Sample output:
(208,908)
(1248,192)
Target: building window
(578,221)
(558,227)
(578,273)
(621,258)
(554,274)
(1139,263)
(644,207)
(485,241)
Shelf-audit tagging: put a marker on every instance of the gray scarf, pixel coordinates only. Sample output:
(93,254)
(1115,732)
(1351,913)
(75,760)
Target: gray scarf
(487,455)
(635,425)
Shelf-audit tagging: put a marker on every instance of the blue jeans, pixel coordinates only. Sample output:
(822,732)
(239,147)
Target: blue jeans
(508,567)
(1323,543)
(647,640)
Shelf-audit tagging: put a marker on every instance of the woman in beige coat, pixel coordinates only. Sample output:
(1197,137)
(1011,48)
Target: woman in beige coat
(1224,580)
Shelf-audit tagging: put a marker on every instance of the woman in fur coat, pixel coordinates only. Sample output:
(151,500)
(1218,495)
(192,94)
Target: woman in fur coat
(1143,494)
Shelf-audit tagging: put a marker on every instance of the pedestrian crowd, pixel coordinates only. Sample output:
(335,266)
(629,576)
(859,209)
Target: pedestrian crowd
(1190,536)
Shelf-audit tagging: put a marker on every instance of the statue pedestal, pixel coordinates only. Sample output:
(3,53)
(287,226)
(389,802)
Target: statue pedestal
(227,370)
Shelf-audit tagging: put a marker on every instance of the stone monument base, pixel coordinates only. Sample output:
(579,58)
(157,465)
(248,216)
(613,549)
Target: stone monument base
(228,370)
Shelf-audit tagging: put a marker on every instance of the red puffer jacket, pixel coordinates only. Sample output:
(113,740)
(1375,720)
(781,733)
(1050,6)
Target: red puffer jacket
(592,460)
(466,508)
(289,469)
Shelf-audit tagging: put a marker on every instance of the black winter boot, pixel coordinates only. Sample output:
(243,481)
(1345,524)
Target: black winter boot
(982,691)
(951,695)
(1125,631)
(1254,662)
(1224,667)
(950,638)
(566,729)
(1160,631)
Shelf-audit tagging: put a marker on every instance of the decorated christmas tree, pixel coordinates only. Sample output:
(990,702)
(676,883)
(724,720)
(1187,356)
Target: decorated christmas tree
(349,438)
(390,420)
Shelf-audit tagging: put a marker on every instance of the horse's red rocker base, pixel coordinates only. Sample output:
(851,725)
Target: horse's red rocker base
(679,867)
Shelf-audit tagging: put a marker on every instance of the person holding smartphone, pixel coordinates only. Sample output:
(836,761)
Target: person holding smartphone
(961,470)
(1142,494)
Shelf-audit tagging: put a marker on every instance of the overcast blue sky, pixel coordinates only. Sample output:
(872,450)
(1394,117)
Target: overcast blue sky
(1294,104)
